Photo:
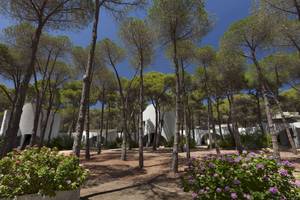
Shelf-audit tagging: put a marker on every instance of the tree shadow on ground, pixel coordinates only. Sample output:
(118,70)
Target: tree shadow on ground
(159,187)
(100,174)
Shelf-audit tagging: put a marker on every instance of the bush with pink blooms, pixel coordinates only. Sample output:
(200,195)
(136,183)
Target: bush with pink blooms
(245,176)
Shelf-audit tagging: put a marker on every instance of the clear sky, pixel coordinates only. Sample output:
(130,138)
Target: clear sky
(225,12)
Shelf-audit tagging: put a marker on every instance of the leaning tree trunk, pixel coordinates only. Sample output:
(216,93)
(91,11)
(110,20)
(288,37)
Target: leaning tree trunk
(13,126)
(286,127)
(271,126)
(264,91)
(174,166)
(86,84)
(51,126)
(48,112)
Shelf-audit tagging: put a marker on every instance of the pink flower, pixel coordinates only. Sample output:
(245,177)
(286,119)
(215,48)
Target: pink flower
(273,190)
(233,195)
(297,183)
(194,195)
(283,172)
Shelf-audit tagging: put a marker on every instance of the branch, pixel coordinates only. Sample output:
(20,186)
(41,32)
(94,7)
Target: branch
(6,93)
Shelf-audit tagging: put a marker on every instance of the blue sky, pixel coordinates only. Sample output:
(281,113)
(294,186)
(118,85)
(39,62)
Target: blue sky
(225,12)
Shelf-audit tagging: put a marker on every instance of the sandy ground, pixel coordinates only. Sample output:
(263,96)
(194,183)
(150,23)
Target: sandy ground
(110,178)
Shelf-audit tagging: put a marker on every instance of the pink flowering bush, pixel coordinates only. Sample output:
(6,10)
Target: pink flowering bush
(247,176)
(42,171)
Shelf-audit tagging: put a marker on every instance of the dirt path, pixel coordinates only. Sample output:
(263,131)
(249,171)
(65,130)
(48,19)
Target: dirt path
(110,178)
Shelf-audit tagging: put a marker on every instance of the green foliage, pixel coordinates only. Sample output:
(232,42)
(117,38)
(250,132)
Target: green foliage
(139,39)
(1,142)
(42,171)
(182,142)
(256,140)
(245,176)
(249,141)
(64,142)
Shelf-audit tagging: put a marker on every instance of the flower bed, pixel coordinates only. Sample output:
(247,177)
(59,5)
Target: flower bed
(245,176)
(39,171)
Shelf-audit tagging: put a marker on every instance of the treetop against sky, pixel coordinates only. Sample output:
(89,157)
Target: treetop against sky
(224,13)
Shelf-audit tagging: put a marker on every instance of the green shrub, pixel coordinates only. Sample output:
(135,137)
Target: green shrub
(63,142)
(112,145)
(42,171)
(256,140)
(1,141)
(249,141)
(247,176)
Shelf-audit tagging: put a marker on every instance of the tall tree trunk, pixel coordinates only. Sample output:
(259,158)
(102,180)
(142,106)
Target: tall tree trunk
(193,125)
(48,112)
(106,126)
(154,145)
(185,112)
(13,126)
(219,118)
(174,166)
(207,91)
(187,131)
(141,125)
(86,84)
(229,127)
(99,139)
(236,133)
(214,128)
(124,112)
(51,125)
(259,115)
(87,131)
(160,126)
(208,128)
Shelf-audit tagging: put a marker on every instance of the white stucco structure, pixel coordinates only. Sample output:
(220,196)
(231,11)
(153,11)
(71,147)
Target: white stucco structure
(168,128)
(27,120)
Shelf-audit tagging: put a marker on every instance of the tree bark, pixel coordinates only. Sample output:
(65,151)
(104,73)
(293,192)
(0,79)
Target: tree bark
(263,89)
(160,126)
(236,133)
(219,118)
(124,112)
(87,131)
(106,126)
(101,125)
(259,115)
(13,127)
(154,145)
(86,84)
(141,125)
(174,166)
(286,127)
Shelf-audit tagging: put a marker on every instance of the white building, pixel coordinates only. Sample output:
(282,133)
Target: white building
(26,124)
